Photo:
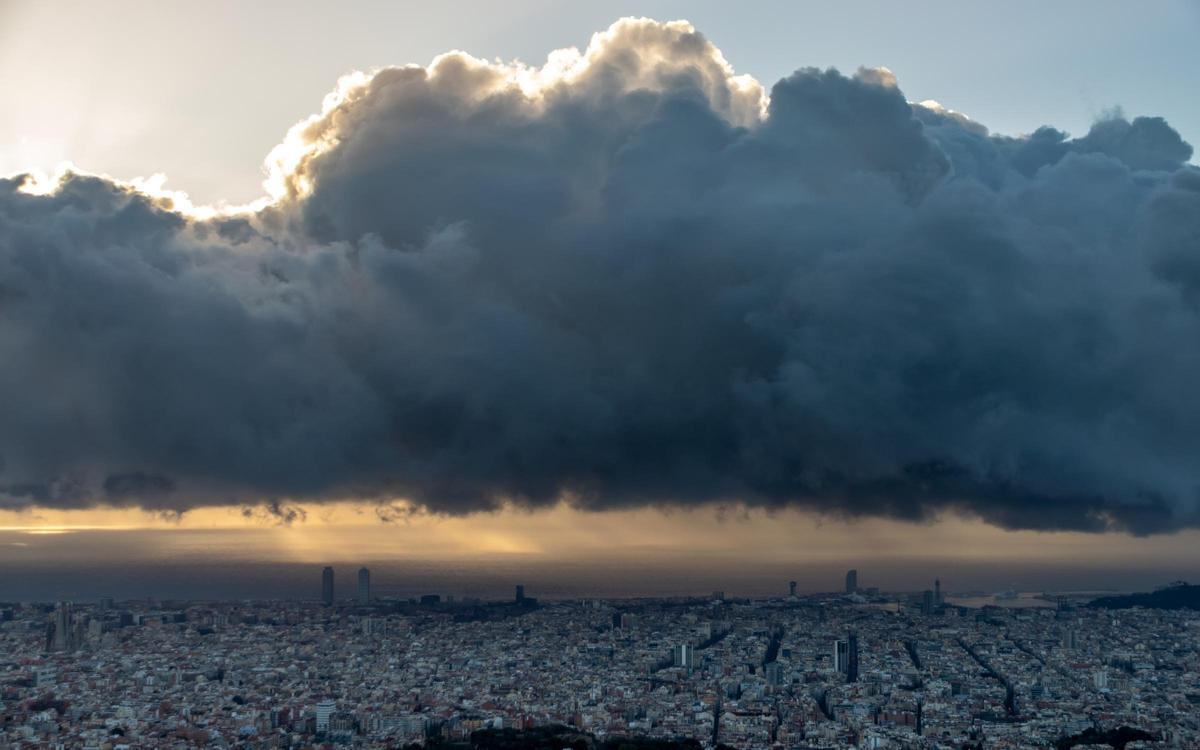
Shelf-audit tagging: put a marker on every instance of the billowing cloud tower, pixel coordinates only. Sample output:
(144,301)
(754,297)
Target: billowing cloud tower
(627,277)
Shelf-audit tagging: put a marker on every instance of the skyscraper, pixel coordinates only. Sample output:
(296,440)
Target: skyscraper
(851,581)
(61,636)
(684,656)
(325,709)
(327,586)
(364,586)
(927,603)
(520,594)
(937,591)
(791,588)
(774,673)
(1070,639)
(841,653)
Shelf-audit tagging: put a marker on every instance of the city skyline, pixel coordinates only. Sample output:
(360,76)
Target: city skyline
(823,672)
(625,375)
(492,580)
(761,546)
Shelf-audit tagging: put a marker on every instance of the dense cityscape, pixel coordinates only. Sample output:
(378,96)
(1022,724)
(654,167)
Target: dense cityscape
(854,669)
(668,375)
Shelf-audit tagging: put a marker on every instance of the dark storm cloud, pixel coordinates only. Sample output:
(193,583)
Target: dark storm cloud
(625,279)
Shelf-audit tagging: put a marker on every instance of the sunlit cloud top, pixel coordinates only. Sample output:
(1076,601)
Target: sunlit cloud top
(626,278)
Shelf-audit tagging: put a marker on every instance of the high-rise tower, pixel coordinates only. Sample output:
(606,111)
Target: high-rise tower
(851,581)
(364,586)
(325,710)
(684,655)
(327,586)
(62,637)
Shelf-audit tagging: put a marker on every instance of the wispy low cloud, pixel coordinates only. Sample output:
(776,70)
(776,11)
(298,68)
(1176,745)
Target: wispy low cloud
(394,512)
(276,512)
(629,277)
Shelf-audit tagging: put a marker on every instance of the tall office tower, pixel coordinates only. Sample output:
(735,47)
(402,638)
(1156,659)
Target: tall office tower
(927,603)
(937,591)
(364,586)
(79,633)
(520,594)
(774,674)
(685,656)
(851,581)
(1070,639)
(95,630)
(841,653)
(327,586)
(325,710)
(852,657)
(791,588)
(64,639)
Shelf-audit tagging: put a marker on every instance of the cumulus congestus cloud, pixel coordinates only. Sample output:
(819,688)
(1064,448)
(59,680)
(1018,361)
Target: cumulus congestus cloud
(628,277)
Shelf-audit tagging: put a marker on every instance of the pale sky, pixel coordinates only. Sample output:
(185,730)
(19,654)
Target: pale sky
(201,91)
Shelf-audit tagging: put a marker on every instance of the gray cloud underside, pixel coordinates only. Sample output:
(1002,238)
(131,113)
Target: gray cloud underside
(626,287)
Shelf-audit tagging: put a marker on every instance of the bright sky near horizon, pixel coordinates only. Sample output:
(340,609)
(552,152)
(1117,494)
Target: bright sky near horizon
(894,554)
(200,92)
